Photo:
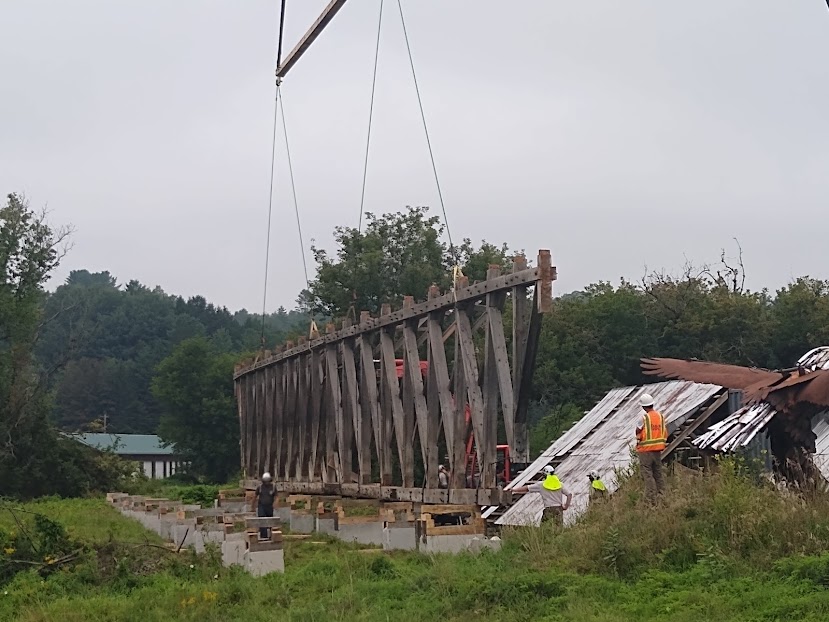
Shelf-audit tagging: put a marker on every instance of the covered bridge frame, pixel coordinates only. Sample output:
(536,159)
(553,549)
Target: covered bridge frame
(330,416)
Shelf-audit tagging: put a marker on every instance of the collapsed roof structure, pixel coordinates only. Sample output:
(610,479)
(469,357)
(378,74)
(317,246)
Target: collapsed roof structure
(788,404)
(709,408)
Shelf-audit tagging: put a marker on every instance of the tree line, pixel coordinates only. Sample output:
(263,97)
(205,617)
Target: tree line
(95,353)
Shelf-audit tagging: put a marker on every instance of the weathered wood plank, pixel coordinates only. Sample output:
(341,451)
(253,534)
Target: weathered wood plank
(489,384)
(267,380)
(411,361)
(527,365)
(457,450)
(392,392)
(314,415)
(335,408)
(473,390)
(291,380)
(466,294)
(303,393)
(259,430)
(519,446)
(370,405)
(351,410)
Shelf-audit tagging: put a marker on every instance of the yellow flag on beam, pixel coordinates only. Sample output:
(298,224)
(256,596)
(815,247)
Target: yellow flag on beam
(457,273)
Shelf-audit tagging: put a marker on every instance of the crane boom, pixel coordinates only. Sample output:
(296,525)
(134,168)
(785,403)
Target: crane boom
(308,38)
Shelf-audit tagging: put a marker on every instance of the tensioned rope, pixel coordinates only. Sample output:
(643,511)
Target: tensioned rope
(370,114)
(276,101)
(452,249)
(293,190)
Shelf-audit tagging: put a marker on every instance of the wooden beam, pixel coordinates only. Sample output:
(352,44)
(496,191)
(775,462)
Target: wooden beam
(457,450)
(546,276)
(240,388)
(308,38)
(520,445)
(267,380)
(351,410)
(303,391)
(370,404)
(281,423)
(702,418)
(527,364)
(259,429)
(394,405)
(335,408)
(489,384)
(411,363)
(289,428)
(473,390)
(439,401)
(314,417)
(465,294)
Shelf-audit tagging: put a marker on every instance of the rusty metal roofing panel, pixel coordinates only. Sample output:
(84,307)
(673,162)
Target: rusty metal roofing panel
(608,445)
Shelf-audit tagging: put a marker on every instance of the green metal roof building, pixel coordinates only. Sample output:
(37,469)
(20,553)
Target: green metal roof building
(157,460)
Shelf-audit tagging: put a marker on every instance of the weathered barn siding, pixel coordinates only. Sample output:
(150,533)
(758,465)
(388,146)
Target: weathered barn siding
(603,440)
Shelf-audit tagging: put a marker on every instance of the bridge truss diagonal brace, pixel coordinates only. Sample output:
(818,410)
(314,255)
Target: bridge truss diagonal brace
(365,405)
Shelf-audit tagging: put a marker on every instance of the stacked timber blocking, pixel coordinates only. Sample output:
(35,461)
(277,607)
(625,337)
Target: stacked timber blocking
(332,416)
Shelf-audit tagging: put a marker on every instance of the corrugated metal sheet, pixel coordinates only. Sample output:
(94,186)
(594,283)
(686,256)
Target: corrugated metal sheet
(603,440)
(820,426)
(815,359)
(738,429)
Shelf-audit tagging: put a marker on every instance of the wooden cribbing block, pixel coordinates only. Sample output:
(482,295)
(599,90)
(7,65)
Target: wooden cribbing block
(262,522)
(252,535)
(256,547)
(232,493)
(359,520)
(451,509)
(456,530)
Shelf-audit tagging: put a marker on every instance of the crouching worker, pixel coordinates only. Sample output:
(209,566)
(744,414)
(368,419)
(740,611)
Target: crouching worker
(263,501)
(554,495)
(597,488)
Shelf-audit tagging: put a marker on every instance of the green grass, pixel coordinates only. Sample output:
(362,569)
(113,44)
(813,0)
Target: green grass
(87,520)
(721,548)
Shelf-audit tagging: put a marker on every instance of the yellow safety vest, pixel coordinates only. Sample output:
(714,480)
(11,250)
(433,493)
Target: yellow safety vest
(552,482)
(598,485)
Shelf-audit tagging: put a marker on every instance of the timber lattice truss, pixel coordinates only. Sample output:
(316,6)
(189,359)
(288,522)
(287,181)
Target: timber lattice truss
(332,413)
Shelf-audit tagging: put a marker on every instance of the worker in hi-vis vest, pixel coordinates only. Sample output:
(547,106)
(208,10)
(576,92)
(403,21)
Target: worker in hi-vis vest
(597,488)
(554,495)
(651,435)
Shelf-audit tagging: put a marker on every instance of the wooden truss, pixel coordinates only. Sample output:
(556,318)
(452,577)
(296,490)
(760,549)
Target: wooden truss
(333,410)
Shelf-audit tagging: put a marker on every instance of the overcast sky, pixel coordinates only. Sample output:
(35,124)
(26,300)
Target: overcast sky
(616,134)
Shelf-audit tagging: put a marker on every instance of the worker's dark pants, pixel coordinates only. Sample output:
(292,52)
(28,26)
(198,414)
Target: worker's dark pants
(650,463)
(553,515)
(265,511)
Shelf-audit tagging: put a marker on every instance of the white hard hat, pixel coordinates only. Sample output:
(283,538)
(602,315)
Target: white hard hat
(266,477)
(549,470)
(646,399)
(594,474)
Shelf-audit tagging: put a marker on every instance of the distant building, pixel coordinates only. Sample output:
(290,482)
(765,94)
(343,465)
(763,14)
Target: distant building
(157,461)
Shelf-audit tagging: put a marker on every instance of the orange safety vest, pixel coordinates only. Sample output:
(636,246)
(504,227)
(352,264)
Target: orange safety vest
(653,434)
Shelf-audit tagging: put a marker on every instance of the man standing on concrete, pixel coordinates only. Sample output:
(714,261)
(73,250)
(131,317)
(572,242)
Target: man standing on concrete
(263,501)
(554,495)
(651,436)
